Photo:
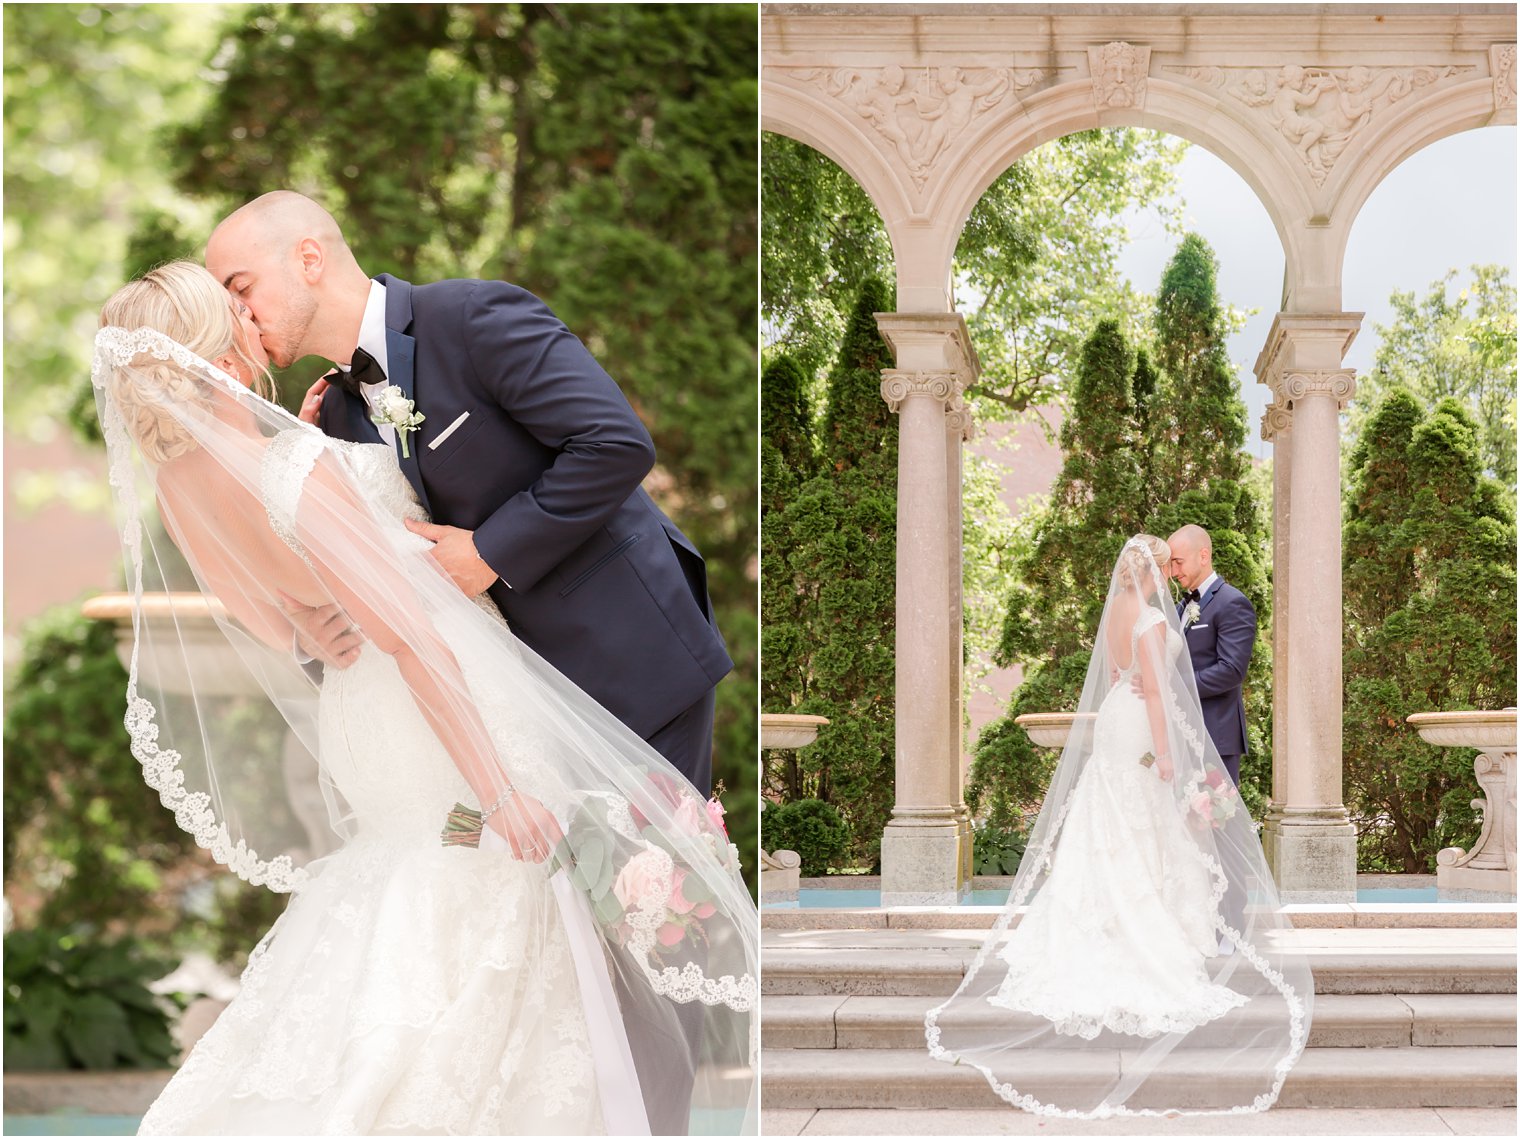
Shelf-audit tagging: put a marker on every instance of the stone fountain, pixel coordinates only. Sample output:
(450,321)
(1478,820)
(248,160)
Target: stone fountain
(780,873)
(1489,867)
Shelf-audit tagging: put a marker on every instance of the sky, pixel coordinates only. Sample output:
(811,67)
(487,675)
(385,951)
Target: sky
(1448,206)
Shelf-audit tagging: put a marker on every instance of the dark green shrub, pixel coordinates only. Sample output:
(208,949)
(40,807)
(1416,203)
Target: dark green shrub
(811,827)
(997,850)
(74,1002)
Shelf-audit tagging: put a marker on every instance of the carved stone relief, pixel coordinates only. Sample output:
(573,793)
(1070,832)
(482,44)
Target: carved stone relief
(1501,65)
(1118,71)
(1318,110)
(919,111)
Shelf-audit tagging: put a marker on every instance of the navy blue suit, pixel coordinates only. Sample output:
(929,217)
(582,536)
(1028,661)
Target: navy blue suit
(1220,644)
(542,457)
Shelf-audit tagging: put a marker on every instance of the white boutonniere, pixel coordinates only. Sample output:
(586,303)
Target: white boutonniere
(396,411)
(1190,614)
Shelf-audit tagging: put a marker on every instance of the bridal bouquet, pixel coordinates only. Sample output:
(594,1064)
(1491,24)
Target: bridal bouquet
(624,866)
(1212,802)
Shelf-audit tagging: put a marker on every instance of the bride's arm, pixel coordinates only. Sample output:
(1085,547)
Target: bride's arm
(331,515)
(1151,646)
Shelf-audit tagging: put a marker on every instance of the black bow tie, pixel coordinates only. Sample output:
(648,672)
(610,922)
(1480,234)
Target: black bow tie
(365,369)
(1191,595)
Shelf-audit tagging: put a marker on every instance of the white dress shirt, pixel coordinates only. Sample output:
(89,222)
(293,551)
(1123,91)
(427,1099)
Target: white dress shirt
(372,340)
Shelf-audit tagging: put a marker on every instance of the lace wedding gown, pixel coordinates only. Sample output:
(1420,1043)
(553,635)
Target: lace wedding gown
(1118,934)
(408,988)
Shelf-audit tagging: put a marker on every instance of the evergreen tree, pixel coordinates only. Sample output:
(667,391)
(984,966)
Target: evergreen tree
(828,591)
(787,450)
(1429,586)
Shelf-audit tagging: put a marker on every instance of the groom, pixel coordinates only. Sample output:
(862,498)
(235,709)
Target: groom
(1219,625)
(528,458)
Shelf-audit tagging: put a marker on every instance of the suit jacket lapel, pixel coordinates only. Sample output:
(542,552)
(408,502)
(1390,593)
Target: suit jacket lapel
(401,351)
(361,428)
(1209,596)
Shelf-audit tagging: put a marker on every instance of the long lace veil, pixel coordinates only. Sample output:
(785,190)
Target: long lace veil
(224,717)
(1121,1053)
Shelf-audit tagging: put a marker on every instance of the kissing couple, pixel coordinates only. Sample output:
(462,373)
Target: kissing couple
(501,656)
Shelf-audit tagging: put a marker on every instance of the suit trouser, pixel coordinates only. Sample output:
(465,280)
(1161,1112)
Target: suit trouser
(687,743)
(1232,907)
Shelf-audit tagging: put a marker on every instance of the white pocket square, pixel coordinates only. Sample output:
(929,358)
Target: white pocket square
(1190,628)
(447,431)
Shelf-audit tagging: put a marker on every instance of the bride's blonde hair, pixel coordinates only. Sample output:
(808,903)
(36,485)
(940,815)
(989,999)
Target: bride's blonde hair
(1141,555)
(187,304)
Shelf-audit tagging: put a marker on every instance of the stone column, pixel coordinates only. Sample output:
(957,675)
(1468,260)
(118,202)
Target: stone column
(921,858)
(1276,428)
(1309,834)
(958,428)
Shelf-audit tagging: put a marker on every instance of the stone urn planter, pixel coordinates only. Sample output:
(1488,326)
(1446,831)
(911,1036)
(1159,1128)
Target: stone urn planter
(780,873)
(1050,729)
(1490,865)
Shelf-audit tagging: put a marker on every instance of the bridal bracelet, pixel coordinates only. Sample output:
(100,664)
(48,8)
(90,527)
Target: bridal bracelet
(496,806)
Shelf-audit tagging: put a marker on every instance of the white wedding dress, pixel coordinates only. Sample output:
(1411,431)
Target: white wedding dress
(1119,933)
(408,988)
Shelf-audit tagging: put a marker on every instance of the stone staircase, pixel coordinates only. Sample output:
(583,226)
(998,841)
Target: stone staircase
(1408,1014)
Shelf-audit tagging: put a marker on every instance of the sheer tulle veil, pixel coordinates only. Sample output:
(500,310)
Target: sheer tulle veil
(223,717)
(1074,1059)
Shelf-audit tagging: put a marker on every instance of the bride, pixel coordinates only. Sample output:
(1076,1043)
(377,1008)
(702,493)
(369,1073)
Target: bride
(1148,972)
(585,902)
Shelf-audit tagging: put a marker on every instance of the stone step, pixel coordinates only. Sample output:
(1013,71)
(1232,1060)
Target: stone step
(1323,1078)
(1355,1021)
(1359,915)
(1004,1120)
(888,962)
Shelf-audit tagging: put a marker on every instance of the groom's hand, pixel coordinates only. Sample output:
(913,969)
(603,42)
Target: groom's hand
(323,632)
(311,406)
(454,551)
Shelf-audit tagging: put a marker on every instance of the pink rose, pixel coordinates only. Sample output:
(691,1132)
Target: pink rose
(678,902)
(671,933)
(1203,804)
(640,879)
(705,910)
(691,817)
(715,812)
(1214,779)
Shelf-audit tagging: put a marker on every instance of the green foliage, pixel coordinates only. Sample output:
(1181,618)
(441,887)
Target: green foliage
(1461,346)
(75,1002)
(88,88)
(86,840)
(997,850)
(812,828)
(1429,588)
(829,599)
(1152,442)
(1036,260)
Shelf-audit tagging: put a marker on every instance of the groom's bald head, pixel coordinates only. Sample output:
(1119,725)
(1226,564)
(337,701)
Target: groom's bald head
(1192,556)
(284,256)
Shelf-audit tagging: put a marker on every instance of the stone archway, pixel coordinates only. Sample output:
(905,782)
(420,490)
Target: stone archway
(925,106)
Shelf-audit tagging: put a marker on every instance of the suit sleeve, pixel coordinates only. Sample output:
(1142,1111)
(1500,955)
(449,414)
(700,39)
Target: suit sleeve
(1235,636)
(546,380)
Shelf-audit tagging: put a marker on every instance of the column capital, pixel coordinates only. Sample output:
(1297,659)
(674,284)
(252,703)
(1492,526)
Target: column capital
(898,386)
(958,419)
(1276,420)
(1339,385)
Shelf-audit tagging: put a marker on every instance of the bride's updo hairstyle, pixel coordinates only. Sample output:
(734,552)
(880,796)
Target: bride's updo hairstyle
(187,304)
(1143,555)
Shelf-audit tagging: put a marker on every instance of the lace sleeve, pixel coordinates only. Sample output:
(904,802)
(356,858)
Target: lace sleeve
(1148,619)
(287,464)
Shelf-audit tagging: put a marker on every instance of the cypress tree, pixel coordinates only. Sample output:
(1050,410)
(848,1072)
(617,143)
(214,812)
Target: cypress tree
(1429,589)
(829,592)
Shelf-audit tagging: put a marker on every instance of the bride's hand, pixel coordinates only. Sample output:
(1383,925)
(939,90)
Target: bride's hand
(1164,768)
(528,826)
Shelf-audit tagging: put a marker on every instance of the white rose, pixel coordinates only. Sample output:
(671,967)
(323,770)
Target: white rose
(394,404)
